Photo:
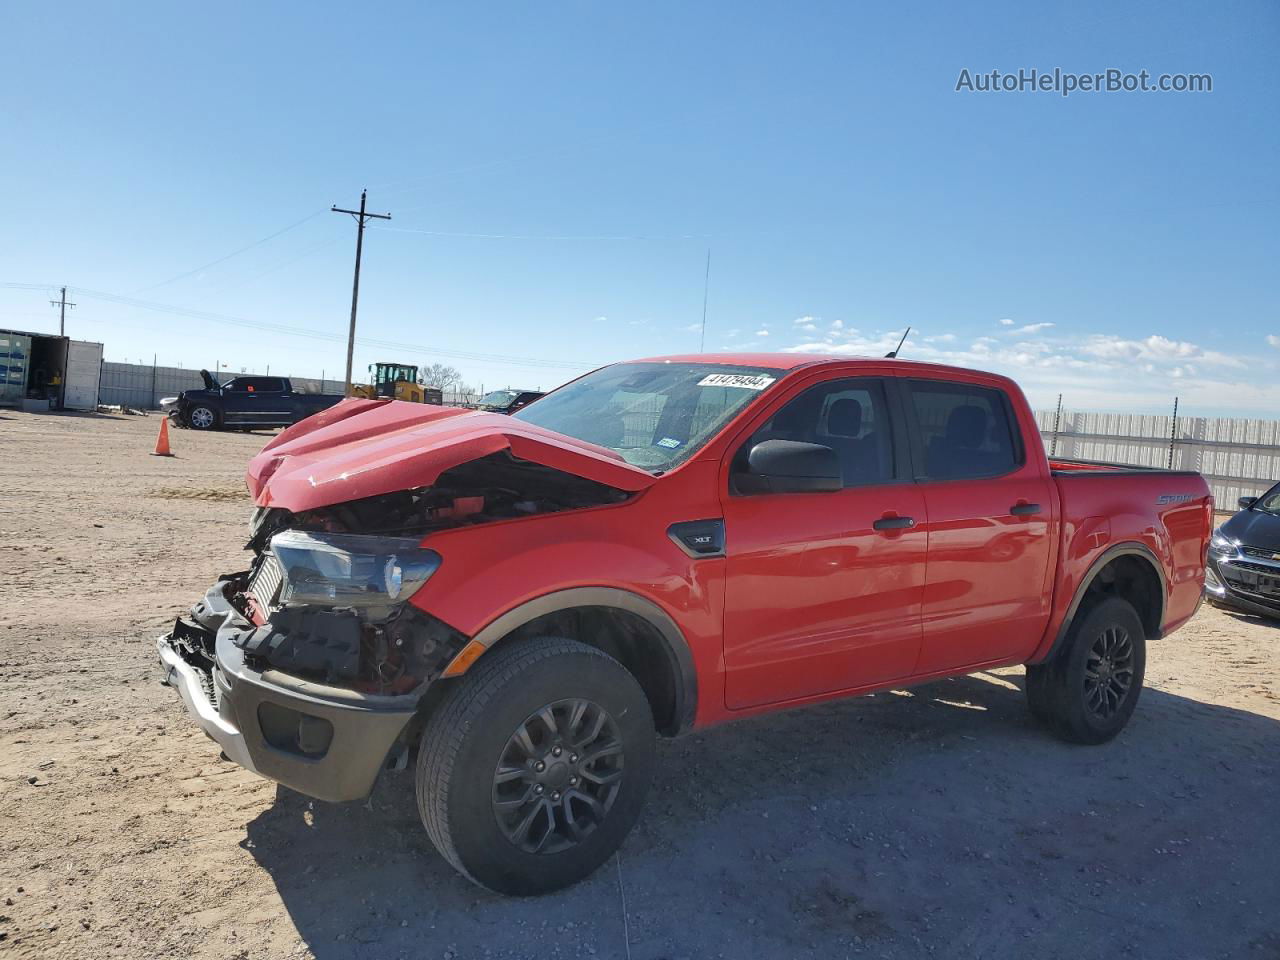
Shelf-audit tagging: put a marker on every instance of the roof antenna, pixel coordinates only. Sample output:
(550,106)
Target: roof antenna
(892,354)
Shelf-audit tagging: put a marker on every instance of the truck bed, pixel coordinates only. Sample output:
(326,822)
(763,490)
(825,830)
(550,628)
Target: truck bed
(1063,467)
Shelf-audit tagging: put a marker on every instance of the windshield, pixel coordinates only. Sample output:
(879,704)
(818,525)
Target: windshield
(1269,502)
(655,415)
(498,398)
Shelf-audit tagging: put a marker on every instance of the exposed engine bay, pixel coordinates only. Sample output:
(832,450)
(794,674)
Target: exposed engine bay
(497,487)
(391,648)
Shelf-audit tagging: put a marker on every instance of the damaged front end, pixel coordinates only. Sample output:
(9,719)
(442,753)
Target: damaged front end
(310,666)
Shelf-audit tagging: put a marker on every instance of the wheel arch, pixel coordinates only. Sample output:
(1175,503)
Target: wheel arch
(1127,570)
(631,628)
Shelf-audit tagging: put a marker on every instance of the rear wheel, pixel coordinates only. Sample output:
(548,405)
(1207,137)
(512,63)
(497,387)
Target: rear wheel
(1088,692)
(534,767)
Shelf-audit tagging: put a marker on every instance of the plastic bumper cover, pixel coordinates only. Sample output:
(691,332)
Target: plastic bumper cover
(325,742)
(1220,588)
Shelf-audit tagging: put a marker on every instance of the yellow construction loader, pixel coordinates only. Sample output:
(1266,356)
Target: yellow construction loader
(399,381)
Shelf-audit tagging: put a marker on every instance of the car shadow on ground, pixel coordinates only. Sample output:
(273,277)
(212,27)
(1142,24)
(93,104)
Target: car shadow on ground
(937,820)
(1240,615)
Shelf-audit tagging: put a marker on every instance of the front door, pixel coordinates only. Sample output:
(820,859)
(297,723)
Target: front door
(823,590)
(988,590)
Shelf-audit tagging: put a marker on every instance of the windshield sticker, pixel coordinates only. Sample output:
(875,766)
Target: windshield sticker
(669,442)
(743,380)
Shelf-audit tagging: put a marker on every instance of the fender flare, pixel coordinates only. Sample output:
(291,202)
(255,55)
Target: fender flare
(1128,548)
(675,646)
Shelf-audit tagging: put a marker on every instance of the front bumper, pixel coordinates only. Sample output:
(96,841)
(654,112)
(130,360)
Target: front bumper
(1225,584)
(326,742)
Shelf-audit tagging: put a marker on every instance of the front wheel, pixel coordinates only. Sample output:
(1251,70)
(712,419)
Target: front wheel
(534,767)
(1088,692)
(202,418)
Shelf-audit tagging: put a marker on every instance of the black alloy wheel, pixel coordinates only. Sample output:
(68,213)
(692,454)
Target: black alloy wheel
(1108,672)
(558,776)
(534,765)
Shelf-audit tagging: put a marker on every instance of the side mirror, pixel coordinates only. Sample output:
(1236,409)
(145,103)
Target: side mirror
(789,466)
(1246,502)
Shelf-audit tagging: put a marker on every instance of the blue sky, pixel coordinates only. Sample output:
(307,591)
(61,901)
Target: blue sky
(557,172)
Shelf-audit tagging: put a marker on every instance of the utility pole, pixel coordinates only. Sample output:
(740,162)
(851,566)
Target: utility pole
(361,219)
(62,312)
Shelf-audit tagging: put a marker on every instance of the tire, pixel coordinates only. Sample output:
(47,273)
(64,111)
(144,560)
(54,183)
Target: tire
(1088,692)
(478,781)
(1037,694)
(202,418)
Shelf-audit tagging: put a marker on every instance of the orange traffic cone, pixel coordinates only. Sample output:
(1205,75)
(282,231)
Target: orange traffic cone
(162,441)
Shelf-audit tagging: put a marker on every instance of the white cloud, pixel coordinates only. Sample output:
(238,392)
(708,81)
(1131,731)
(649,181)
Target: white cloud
(602,319)
(1006,322)
(762,332)
(837,324)
(802,321)
(1030,328)
(1154,347)
(1098,372)
(1273,340)
(692,328)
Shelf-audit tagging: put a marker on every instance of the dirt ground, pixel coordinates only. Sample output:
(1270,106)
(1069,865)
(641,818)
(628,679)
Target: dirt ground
(936,822)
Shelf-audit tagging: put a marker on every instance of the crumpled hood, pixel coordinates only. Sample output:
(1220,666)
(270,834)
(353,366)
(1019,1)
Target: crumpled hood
(363,448)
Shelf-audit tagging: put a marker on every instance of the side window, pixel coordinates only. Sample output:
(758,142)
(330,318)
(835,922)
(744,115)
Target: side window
(849,416)
(964,431)
(238,385)
(262,384)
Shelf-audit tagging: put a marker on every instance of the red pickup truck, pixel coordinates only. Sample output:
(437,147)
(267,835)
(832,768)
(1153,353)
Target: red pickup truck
(522,603)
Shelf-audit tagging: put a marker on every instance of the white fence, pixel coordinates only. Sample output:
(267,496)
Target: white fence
(1239,457)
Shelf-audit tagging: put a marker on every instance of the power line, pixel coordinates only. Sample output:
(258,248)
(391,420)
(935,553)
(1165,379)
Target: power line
(287,330)
(235,253)
(558,237)
(361,219)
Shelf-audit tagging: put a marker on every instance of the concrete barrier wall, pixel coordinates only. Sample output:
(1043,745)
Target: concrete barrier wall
(1238,456)
(142,387)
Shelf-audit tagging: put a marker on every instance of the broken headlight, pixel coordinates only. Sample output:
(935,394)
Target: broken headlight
(350,570)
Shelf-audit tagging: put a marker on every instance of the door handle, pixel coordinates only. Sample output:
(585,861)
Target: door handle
(894,523)
(1024,509)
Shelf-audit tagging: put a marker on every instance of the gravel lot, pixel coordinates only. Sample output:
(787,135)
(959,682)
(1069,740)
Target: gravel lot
(939,821)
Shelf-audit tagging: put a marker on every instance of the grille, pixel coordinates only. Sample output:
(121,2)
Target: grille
(1272,555)
(264,585)
(1265,569)
(1260,581)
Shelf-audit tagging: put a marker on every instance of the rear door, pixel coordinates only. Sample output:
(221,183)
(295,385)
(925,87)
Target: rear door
(987,591)
(84,374)
(824,590)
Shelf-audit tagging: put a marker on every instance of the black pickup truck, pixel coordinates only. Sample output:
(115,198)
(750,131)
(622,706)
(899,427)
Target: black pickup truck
(247,403)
